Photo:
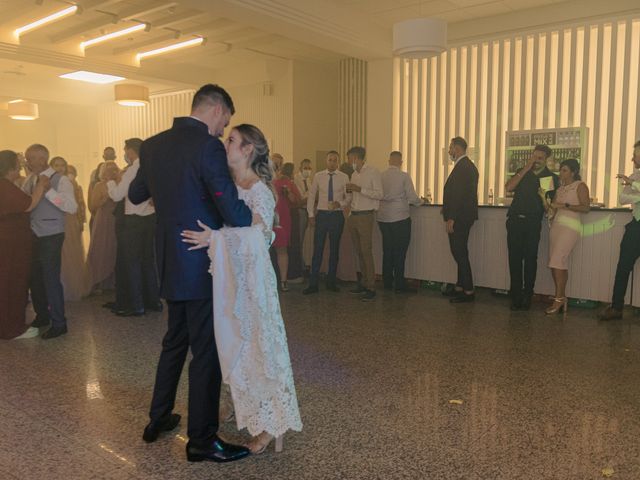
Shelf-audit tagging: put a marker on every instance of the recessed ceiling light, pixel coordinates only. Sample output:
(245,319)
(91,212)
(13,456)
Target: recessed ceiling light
(92,77)
(48,19)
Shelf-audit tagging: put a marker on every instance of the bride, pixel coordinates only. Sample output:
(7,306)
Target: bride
(249,330)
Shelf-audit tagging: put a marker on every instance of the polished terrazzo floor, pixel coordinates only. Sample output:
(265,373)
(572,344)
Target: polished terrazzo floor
(536,397)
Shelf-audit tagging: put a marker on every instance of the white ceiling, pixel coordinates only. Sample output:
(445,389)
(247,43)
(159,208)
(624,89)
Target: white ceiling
(241,34)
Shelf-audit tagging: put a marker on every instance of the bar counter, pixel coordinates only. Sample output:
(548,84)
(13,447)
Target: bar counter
(593,261)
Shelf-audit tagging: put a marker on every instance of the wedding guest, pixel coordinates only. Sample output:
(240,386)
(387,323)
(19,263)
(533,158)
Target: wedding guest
(138,240)
(288,195)
(294,250)
(47,224)
(394,220)
(101,258)
(59,164)
(630,244)
(524,222)
(108,155)
(74,271)
(303,180)
(460,211)
(15,247)
(23,168)
(328,219)
(366,192)
(570,202)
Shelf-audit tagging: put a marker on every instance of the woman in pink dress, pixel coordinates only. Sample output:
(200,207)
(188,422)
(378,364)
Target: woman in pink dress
(288,194)
(101,259)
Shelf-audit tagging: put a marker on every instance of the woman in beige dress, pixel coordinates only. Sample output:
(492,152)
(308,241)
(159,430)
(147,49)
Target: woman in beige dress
(570,202)
(74,272)
(101,259)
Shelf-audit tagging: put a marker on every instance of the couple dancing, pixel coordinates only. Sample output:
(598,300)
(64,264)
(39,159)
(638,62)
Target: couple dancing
(233,281)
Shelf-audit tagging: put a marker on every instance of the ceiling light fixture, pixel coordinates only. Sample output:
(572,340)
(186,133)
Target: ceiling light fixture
(21,110)
(92,77)
(130,95)
(419,38)
(109,36)
(48,19)
(170,48)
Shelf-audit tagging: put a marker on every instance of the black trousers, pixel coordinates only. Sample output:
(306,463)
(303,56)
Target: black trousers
(123,301)
(190,325)
(47,293)
(139,255)
(523,238)
(458,243)
(395,243)
(327,223)
(629,253)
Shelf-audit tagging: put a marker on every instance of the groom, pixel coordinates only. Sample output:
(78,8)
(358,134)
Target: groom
(184,169)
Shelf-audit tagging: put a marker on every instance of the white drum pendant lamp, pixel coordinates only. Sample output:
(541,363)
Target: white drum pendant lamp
(419,38)
(21,110)
(131,95)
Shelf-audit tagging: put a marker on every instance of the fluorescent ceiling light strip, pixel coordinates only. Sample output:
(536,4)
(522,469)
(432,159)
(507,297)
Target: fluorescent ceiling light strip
(170,48)
(43,21)
(91,77)
(109,36)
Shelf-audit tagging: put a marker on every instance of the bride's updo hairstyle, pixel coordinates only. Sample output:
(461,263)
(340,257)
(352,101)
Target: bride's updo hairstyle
(260,162)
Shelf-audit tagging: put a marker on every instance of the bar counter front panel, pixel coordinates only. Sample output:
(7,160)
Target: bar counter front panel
(593,260)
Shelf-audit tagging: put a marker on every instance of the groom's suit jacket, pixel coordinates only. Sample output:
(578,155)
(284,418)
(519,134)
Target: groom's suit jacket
(184,170)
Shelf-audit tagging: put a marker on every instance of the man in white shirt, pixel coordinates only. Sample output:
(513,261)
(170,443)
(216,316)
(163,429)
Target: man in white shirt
(630,244)
(330,187)
(394,220)
(138,246)
(366,190)
(47,224)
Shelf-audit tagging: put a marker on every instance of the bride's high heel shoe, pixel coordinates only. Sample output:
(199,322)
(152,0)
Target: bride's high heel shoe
(262,441)
(559,305)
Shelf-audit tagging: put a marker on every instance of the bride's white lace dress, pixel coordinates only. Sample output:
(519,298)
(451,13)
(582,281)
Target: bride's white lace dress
(249,330)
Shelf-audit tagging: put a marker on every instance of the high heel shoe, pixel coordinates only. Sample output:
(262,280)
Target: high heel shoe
(559,305)
(262,441)
(284,287)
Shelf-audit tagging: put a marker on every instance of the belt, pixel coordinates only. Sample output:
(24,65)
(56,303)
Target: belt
(361,212)
(337,210)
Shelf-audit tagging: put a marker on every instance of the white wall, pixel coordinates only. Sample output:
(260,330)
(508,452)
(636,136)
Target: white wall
(315,110)
(379,112)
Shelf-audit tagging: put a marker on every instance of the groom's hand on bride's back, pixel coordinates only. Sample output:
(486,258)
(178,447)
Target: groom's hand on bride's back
(199,239)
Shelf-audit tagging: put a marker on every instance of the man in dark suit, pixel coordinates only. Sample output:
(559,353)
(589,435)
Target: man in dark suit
(184,169)
(460,210)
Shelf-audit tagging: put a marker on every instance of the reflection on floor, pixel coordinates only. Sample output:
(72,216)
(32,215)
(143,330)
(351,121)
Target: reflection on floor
(539,397)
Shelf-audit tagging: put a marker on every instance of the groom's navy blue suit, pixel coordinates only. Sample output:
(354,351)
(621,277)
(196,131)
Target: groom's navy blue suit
(184,170)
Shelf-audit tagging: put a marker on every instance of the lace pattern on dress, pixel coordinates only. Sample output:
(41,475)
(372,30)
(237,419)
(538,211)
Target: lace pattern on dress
(260,377)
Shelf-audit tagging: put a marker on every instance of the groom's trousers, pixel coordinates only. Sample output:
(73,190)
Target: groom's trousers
(190,325)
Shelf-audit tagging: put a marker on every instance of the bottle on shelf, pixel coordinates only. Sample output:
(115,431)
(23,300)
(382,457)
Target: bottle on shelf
(491,196)
(428,198)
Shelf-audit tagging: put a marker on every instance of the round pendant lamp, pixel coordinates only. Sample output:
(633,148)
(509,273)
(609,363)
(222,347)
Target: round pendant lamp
(130,95)
(419,38)
(21,110)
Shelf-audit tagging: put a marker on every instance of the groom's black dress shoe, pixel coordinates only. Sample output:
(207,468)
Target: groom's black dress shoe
(165,424)
(463,298)
(216,451)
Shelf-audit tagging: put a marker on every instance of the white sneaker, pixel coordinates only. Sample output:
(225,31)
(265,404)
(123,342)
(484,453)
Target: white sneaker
(30,333)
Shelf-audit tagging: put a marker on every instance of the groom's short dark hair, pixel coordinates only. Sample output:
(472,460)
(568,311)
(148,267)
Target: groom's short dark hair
(214,94)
